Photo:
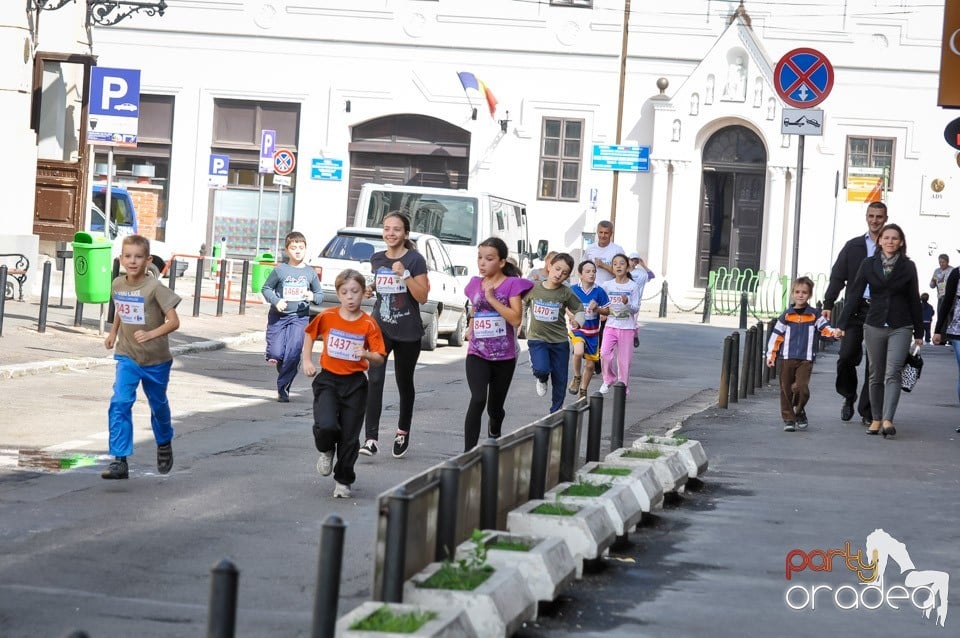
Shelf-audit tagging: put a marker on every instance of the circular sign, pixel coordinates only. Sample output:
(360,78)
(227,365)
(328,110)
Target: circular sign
(803,78)
(80,265)
(284,162)
(952,135)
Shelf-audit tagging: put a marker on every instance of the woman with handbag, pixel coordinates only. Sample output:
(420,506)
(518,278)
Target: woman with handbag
(893,319)
(948,319)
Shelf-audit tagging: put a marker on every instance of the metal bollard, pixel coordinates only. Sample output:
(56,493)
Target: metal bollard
(3,294)
(221,287)
(707,302)
(328,577)
(569,450)
(395,552)
(45,298)
(447,511)
(743,310)
(243,286)
(723,399)
(618,415)
(594,427)
(489,482)
(540,460)
(663,301)
(760,360)
(222,612)
(111,311)
(172,275)
(735,367)
(198,287)
(745,373)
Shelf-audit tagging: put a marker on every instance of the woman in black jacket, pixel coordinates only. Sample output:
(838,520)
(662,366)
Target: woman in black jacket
(894,315)
(948,319)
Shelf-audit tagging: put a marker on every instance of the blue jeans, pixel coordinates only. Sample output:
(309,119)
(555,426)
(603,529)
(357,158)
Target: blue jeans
(154,379)
(551,361)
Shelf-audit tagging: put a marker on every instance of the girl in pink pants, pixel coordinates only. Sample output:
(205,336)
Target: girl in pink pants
(616,348)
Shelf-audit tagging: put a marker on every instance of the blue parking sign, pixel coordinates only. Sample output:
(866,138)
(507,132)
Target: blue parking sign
(114,107)
(218,171)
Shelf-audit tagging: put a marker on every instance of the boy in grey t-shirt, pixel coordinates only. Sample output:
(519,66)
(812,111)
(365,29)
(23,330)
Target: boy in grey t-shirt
(547,306)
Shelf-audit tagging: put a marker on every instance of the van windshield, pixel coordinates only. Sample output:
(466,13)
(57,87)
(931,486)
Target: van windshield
(451,218)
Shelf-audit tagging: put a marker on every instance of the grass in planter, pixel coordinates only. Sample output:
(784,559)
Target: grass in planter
(673,440)
(611,471)
(581,488)
(642,454)
(386,620)
(554,509)
(467,573)
(510,546)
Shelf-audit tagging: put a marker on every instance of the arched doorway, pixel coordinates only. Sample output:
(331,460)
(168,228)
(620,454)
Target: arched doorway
(407,149)
(731,209)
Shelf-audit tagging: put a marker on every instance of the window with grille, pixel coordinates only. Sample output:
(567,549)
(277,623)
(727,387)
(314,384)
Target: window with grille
(561,146)
(874,153)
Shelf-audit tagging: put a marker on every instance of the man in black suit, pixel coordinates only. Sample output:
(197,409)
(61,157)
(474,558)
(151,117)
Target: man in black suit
(851,344)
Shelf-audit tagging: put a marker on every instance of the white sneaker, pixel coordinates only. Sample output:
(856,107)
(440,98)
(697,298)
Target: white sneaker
(325,463)
(341,491)
(541,388)
(604,388)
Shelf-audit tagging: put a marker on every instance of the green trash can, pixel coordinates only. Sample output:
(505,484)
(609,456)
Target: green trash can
(262,267)
(92,268)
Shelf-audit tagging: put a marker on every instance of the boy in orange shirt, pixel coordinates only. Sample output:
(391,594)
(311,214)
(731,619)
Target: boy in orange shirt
(351,342)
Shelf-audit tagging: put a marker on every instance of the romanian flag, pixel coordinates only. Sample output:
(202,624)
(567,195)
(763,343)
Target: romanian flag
(470,81)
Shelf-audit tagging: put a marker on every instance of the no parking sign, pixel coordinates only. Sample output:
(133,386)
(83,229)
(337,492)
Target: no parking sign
(803,78)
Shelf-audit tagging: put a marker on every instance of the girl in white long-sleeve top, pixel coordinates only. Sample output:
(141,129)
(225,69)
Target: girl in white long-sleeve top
(616,348)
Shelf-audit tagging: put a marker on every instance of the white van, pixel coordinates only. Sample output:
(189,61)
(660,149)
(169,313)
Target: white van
(461,219)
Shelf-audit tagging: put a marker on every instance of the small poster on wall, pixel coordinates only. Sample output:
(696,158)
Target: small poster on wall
(937,195)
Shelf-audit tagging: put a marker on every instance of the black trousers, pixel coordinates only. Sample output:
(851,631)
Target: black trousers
(338,404)
(851,353)
(489,383)
(405,357)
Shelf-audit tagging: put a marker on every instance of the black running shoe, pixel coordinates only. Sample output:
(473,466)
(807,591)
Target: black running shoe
(846,411)
(165,458)
(400,444)
(116,470)
(789,426)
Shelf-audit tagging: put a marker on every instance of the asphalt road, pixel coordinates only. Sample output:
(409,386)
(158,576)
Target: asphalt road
(133,557)
(77,552)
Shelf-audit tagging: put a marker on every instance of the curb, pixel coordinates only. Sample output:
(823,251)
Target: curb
(85,363)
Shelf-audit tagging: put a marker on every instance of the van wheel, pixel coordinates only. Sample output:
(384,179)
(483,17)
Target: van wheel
(456,337)
(430,334)
(159,264)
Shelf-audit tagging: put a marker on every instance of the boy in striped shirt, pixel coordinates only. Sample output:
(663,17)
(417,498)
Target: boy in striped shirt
(793,337)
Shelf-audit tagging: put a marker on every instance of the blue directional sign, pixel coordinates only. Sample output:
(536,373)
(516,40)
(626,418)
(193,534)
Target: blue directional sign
(218,171)
(114,107)
(326,168)
(803,78)
(621,158)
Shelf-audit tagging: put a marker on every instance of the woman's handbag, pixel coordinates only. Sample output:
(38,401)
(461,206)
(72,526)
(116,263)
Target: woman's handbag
(911,370)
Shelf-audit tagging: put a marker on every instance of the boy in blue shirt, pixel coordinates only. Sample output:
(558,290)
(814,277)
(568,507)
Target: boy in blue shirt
(793,337)
(289,289)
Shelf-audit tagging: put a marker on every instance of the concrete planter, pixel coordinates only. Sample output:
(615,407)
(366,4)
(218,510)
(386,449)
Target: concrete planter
(668,467)
(547,566)
(691,452)
(642,480)
(497,607)
(619,503)
(451,622)
(588,533)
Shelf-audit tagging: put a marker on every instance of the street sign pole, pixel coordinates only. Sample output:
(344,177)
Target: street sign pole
(796,215)
(259,210)
(276,243)
(106,203)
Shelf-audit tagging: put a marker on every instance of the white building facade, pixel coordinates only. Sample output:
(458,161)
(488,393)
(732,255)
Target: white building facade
(373,84)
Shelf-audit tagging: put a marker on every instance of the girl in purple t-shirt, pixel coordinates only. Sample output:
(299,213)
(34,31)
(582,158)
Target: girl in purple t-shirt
(496,312)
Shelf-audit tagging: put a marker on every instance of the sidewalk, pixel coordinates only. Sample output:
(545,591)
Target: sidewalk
(24,350)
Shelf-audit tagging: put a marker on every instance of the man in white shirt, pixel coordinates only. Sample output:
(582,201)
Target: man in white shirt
(602,251)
